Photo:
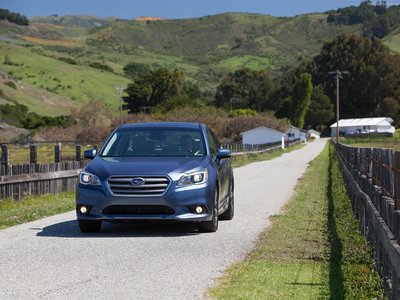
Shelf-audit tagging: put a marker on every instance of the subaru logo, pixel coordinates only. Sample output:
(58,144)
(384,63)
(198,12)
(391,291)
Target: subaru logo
(138,181)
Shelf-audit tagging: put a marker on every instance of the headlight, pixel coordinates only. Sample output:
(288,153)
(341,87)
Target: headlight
(193,178)
(89,179)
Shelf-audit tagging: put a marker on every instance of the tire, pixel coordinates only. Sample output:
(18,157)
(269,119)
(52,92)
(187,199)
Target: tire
(230,212)
(89,226)
(211,226)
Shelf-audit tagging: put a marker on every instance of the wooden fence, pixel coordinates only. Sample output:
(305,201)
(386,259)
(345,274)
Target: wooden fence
(372,178)
(33,178)
(240,149)
(17,181)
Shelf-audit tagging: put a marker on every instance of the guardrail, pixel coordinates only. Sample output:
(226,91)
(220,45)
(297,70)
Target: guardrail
(372,178)
(17,181)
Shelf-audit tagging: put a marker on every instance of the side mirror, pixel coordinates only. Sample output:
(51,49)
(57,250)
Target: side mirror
(90,154)
(223,153)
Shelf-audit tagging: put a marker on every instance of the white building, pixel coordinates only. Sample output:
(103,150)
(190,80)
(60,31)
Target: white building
(363,126)
(314,134)
(261,135)
(294,133)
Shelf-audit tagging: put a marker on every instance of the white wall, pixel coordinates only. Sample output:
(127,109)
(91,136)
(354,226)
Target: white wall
(314,135)
(293,134)
(261,135)
(361,129)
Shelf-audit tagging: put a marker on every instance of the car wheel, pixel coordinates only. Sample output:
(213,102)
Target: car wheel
(229,213)
(211,226)
(89,226)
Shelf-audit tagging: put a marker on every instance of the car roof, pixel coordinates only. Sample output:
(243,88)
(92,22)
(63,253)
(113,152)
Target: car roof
(162,125)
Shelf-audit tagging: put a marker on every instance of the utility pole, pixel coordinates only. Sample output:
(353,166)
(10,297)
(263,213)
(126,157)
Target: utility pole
(338,75)
(144,109)
(120,89)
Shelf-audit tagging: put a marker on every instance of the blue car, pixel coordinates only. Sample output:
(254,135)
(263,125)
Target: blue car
(162,171)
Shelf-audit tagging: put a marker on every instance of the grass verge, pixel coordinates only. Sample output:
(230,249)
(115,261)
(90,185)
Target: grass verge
(242,160)
(33,208)
(311,251)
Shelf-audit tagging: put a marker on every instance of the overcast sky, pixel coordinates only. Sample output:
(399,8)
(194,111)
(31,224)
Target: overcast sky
(171,9)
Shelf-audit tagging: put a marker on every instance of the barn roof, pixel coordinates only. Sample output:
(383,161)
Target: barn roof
(364,122)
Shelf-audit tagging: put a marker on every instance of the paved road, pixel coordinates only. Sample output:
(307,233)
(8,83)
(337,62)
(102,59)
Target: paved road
(51,259)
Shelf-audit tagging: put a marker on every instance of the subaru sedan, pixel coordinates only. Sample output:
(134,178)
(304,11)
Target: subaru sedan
(163,171)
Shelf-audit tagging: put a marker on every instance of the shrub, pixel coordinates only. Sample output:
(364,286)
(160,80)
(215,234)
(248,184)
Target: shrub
(11,84)
(68,60)
(101,66)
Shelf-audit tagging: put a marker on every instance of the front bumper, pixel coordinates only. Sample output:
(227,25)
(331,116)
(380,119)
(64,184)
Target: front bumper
(178,201)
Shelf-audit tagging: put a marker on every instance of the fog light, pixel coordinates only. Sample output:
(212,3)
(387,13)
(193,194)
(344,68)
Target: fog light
(83,210)
(199,209)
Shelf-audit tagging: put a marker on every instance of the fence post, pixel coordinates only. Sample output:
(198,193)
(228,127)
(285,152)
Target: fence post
(57,153)
(78,156)
(32,154)
(4,160)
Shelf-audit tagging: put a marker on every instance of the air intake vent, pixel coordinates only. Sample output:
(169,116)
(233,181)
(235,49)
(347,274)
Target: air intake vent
(138,210)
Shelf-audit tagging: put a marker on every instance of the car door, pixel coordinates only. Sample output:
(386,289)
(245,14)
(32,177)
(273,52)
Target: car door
(223,165)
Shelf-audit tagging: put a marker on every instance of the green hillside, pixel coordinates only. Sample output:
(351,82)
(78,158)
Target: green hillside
(51,57)
(50,86)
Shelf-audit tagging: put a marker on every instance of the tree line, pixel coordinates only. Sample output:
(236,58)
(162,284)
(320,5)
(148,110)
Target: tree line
(377,19)
(305,95)
(12,17)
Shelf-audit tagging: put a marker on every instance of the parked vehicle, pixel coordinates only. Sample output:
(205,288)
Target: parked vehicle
(158,172)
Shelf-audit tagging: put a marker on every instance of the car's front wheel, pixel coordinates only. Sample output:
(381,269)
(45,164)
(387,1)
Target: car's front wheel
(89,226)
(211,226)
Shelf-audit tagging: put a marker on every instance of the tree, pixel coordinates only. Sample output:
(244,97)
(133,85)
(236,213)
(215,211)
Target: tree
(374,73)
(135,70)
(301,100)
(154,88)
(246,88)
(390,107)
(321,110)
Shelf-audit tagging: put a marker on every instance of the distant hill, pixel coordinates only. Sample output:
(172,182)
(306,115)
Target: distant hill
(75,21)
(53,57)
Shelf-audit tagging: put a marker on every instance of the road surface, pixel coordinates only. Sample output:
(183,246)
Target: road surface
(51,259)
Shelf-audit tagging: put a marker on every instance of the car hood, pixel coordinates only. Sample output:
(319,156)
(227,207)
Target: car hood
(137,166)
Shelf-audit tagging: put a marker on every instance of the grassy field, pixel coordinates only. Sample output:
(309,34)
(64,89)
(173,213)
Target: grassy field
(312,250)
(20,154)
(374,142)
(75,83)
(33,208)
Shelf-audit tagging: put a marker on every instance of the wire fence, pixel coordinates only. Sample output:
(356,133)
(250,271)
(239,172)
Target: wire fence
(372,178)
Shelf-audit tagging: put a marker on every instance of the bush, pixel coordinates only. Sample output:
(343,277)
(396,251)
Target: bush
(101,66)
(11,84)
(68,60)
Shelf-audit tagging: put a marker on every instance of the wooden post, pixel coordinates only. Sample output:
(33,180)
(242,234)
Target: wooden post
(33,154)
(78,156)
(4,154)
(4,160)
(57,153)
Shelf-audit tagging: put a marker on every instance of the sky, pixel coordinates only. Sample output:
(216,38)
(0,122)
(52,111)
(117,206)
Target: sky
(170,9)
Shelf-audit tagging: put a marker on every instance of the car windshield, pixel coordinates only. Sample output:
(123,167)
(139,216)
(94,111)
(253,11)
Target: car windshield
(155,142)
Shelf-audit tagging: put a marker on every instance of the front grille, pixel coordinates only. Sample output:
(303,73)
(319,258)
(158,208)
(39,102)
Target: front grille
(151,185)
(138,210)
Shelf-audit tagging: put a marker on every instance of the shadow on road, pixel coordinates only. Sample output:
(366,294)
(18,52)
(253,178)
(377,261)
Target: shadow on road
(70,229)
